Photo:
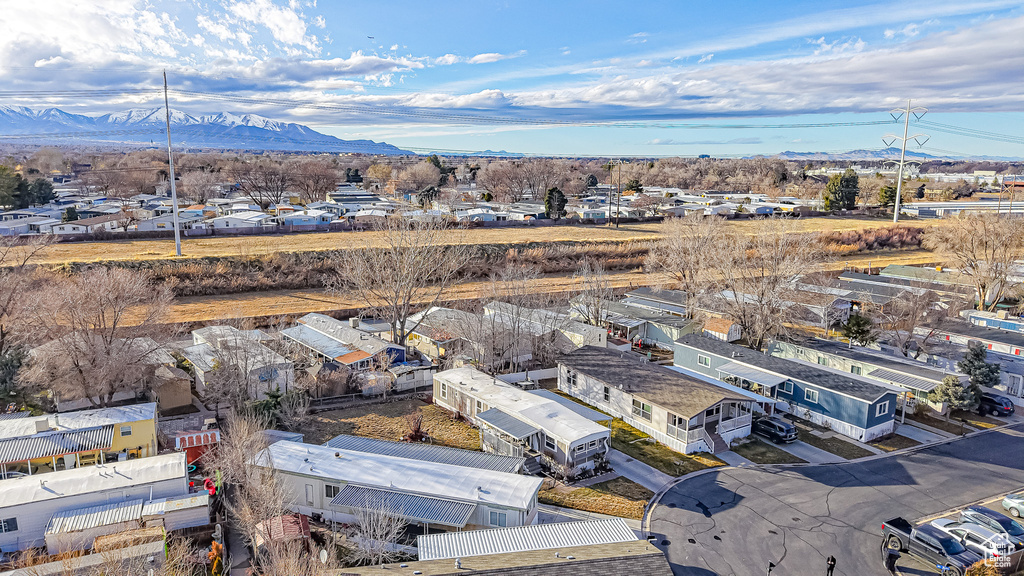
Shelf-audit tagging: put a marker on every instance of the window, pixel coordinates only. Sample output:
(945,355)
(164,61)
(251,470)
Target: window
(479,406)
(8,525)
(811,396)
(641,410)
(444,390)
(882,409)
(676,426)
(126,430)
(703,360)
(592,445)
(498,519)
(786,387)
(856,370)
(309,494)
(549,443)
(571,379)
(331,491)
(822,360)
(410,375)
(607,394)
(1013,386)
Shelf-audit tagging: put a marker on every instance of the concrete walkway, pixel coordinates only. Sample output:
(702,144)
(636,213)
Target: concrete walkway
(919,434)
(548,514)
(637,471)
(733,459)
(809,453)
(936,431)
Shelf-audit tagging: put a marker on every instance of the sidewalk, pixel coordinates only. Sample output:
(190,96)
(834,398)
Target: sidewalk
(809,453)
(637,471)
(936,431)
(733,459)
(919,434)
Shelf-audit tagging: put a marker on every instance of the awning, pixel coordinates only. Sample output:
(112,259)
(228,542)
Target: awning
(409,507)
(507,423)
(56,443)
(903,379)
(752,374)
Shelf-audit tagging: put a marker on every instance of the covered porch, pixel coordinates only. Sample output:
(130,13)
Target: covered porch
(764,386)
(716,426)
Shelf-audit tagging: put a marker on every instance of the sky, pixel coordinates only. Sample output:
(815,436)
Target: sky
(596,78)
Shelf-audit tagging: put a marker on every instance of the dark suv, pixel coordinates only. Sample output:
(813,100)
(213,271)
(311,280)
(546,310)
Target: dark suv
(775,429)
(994,404)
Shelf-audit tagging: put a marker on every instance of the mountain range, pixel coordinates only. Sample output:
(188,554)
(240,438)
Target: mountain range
(146,126)
(884,154)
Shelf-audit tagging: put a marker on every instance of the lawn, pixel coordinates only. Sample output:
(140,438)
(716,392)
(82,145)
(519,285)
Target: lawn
(638,445)
(388,422)
(760,452)
(615,497)
(952,426)
(973,419)
(894,442)
(835,445)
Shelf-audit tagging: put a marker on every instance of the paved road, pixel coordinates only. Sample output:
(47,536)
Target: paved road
(735,521)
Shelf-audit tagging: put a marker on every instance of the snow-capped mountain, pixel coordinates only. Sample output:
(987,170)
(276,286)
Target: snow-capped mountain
(146,126)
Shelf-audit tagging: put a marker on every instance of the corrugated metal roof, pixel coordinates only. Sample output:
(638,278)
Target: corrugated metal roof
(85,518)
(56,443)
(407,506)
(313,339)
(165,505)
(14,415)
(429,453)
(523,539)
(79,419)
(508,423)
(903,379)
(751,374)
(576,407)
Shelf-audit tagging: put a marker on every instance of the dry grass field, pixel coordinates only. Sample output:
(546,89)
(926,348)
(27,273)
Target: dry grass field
(615,497)
(74,252)
(388,422)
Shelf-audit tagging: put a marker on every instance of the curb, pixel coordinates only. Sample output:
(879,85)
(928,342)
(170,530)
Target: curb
(645,527)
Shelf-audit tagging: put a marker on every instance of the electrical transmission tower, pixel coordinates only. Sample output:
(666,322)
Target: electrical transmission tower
(890,139)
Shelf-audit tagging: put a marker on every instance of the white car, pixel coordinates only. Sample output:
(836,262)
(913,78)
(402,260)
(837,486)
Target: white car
(976,537)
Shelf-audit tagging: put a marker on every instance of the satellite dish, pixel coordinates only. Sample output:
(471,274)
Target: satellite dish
(323,556)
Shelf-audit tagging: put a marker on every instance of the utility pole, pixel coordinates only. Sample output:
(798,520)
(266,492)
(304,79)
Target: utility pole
(618,195)
(889,139)
(170,162)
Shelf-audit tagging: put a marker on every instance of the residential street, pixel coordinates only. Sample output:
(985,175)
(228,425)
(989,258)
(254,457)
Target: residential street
(733,522)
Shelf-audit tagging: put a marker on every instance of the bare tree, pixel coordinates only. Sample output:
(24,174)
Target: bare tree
(264,181)
(404,265)
(757,274)
(314,179)
(198,186)
(100,330)
(911,321)
(983,247)
(595,290)
(18,281)
(688,252)
(379,175)
(419,176)
(378,529)
(506,180)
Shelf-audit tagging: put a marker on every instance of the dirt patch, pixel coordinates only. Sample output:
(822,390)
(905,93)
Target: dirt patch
(894,442)
(616,497)
(388,422)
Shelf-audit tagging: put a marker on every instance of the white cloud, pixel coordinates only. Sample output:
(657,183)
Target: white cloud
(706,58)
(638,38)
(447,60)
(488,57)
(285,24)
(320,22)
(838,46)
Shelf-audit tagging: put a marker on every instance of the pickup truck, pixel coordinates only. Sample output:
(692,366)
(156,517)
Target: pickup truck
(929,545)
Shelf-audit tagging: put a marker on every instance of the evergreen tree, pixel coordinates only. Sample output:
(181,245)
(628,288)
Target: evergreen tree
(860,330)
(953,394)
(70,215)
(842,190)
(633,186)
(554,204)
(974,365)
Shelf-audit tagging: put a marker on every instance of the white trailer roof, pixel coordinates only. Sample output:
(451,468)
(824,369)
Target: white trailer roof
(79,419)
(523,539)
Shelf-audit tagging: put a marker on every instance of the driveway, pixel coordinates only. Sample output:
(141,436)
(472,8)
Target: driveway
(920,434)
(811,454)
(637,471)
(736,521)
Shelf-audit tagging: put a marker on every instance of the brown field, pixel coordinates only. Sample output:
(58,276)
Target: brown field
(615,497)
(299,302)
(72,252)
(388,422)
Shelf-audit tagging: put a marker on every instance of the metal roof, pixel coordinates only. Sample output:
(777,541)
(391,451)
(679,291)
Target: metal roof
(14,415)
(429,453)
(751,374)
(523,538)
(401,474)
(588,413)
(411,507)
(85,518)
(79,419)
(56,443)
(322,343)
(508,423)
(165,505)
(903,379)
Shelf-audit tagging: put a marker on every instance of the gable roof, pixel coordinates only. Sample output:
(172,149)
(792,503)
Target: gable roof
(679,393)
(78,420)
(428,453)
(837,382)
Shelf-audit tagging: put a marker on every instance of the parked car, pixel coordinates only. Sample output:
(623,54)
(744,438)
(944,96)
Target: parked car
(1014,504)
(995,404)
(996,522)
(975,537)
(775,429)
(930,545)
